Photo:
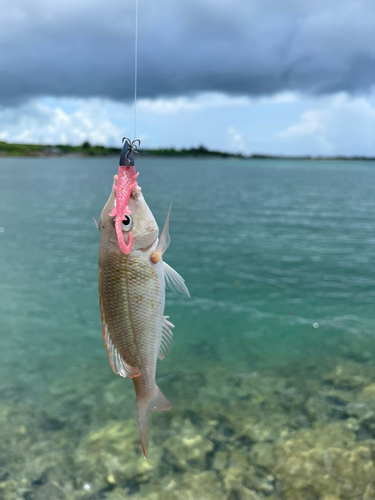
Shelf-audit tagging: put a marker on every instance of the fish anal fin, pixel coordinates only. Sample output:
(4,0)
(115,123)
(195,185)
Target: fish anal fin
(166,338)
(173,281)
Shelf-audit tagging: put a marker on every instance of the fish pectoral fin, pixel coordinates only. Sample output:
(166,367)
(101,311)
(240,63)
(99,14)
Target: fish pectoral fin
(173,281)
(119,365)
(166,338)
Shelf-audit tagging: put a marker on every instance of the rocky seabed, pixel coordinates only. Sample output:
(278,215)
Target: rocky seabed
(300,432)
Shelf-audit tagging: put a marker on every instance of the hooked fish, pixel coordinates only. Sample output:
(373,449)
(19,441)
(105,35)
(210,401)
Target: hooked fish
(132,282)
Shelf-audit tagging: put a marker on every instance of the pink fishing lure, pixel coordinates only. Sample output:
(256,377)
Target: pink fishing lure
(125,182)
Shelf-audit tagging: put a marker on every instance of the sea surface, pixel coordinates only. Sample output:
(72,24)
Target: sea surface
(272,366)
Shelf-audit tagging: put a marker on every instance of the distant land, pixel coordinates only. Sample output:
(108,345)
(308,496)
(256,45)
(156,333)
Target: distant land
(88,150)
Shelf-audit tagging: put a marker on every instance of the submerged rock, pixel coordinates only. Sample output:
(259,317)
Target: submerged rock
(239,483)
(220,460)
(252,436)
(348,375)
(368,392)
(326,462)
(203,485)
(188,448)
(9,491)
(262,454)
(111,456)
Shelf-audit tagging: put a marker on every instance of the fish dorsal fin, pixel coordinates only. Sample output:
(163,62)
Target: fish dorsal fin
(163,243)
(166,338)
(173,281)
(165,239)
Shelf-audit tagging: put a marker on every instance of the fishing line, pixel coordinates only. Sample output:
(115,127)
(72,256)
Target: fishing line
(135,68)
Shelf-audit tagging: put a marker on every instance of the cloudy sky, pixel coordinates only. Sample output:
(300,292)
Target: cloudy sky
(251,76)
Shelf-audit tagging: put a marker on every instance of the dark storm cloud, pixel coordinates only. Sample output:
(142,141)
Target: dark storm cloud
(85,48)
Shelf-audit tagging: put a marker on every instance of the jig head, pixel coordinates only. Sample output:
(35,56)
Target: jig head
(128,151)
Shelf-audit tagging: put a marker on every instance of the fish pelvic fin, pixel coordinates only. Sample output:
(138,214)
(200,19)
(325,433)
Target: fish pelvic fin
(156,402)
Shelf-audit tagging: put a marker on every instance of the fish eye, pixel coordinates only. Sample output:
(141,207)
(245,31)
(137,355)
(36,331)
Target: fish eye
(127,223)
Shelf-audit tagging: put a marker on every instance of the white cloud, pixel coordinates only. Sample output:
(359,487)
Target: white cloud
(282,124)
(310,123)
(101,121)
(338,124)
(37,122)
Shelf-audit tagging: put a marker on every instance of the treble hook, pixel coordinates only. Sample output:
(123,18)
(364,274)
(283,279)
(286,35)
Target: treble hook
(129,148)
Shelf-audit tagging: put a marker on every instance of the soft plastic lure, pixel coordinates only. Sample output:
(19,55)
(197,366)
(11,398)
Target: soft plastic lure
(125,183)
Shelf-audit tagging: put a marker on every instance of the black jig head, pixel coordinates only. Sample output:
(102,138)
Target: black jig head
(128,151)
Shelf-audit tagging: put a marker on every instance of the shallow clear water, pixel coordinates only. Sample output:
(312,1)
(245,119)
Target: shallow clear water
(278,257)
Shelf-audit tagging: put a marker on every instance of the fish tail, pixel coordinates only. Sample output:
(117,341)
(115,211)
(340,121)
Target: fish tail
(143,426)
(156,402)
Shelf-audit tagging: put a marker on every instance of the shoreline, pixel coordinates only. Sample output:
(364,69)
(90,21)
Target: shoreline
(87,150)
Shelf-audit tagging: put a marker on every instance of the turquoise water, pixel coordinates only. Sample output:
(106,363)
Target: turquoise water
(279,260)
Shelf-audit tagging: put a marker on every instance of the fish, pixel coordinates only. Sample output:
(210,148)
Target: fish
(132,281)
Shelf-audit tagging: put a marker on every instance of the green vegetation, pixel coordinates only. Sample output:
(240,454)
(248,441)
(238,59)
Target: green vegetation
(60,149)
(199,151)
(257,156)
(86,149)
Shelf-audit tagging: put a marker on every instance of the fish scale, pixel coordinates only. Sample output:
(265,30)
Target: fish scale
(136,324)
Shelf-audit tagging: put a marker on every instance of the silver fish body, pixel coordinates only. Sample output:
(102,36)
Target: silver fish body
(132,300)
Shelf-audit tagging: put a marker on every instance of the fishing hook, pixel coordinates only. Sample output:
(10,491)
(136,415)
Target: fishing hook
(132,147)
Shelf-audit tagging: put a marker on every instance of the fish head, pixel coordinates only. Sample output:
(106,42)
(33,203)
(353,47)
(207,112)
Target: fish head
(139,226)
(143,224)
